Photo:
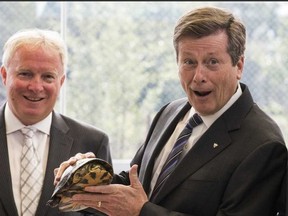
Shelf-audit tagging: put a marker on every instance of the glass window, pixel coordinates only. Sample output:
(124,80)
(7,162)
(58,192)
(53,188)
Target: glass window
(122,65)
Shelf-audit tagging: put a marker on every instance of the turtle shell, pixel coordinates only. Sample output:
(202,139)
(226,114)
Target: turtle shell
(86,172)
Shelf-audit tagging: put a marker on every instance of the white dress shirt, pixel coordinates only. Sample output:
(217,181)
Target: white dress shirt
(14,141)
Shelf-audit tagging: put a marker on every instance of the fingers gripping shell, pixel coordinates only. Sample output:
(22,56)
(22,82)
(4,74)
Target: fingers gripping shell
(86,172)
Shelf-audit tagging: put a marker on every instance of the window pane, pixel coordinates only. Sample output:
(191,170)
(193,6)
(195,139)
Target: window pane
(122,65)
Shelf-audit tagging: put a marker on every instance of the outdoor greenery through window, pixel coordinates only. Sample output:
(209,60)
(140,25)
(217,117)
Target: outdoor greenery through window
(122,65)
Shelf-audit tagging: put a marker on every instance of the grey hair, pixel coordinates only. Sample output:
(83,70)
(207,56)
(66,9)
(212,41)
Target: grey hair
(35,37)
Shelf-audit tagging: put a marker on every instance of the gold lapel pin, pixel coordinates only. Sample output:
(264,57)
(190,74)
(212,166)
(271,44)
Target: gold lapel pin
(215,145)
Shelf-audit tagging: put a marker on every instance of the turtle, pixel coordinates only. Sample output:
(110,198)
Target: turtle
(86,172)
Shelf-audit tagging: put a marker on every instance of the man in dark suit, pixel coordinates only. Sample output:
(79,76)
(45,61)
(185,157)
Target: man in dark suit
(233,163)
(33,68)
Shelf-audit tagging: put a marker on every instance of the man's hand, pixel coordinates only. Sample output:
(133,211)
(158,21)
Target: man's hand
(59,171)
(116,199)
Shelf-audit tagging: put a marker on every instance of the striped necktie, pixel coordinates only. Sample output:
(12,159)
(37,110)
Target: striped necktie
(174,155)
(31,175)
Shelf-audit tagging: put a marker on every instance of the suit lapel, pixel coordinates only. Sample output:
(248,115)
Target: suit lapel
(59,150)
(6,192)
(212,143)
(201,153)
(159,138)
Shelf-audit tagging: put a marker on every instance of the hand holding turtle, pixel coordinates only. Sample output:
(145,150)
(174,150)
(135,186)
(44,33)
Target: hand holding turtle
(64,165)
(115,199)
(85,172)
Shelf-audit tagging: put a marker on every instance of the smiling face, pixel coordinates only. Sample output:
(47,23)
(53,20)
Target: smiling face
(33,79)
(206,72)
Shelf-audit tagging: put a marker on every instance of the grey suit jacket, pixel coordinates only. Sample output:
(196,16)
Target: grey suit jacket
(67,137)
(240,177)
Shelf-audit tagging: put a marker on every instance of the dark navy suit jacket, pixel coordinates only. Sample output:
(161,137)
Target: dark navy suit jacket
(240,176)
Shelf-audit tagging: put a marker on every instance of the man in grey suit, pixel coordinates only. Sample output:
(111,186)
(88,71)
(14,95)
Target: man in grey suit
(33,71)
(233,163)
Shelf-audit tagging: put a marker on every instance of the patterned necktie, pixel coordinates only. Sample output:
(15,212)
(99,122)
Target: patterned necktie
(31,175)
(174,155)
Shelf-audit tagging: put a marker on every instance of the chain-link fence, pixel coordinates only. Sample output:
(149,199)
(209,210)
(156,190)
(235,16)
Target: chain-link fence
(122,65)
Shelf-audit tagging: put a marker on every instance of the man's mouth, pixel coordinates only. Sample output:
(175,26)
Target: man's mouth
(202,93)
(33,99)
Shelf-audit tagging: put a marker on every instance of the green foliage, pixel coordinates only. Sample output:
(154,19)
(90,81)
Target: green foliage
(122,65)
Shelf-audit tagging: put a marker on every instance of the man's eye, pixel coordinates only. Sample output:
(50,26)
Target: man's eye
(49,78)
(213,61)
(189,62)
(212,64)
(25,74)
